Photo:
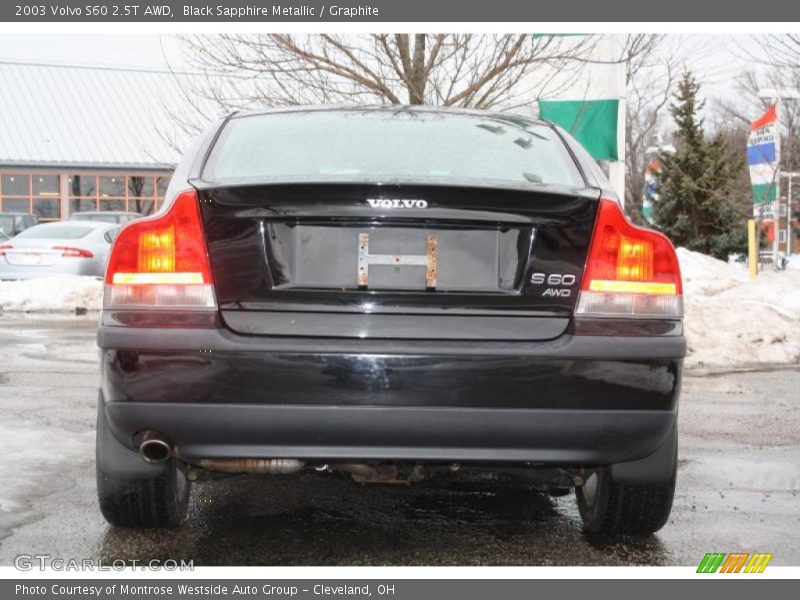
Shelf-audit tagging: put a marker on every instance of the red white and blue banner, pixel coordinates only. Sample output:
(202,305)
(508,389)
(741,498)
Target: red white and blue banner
(763,158)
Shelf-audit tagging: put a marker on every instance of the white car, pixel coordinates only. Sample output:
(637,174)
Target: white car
(61,248)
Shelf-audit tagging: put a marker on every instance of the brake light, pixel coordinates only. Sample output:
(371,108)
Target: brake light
(5,247)
(630,271)
(162,261)
(70,252)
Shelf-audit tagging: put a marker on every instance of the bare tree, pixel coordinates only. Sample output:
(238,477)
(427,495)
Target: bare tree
(502,72)
(648,90)
(781,51)
(238,71)
(654,65)
(480,71)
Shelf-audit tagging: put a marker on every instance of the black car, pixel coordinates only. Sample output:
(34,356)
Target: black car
(392,293)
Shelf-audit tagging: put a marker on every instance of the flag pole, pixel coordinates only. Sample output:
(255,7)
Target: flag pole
(777,184)
(777,95)
(619,84)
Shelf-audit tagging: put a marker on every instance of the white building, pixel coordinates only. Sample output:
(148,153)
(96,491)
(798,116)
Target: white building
(75,138)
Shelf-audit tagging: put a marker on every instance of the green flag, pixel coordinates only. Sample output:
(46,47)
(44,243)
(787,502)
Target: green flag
(592,122)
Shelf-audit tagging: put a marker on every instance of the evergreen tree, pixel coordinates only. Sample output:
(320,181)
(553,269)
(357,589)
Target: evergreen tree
(696,184)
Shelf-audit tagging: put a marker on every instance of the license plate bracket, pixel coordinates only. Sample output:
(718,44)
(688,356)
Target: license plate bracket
(428,260)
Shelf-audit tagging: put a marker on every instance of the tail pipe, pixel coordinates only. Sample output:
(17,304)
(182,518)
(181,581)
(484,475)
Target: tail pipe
(154,448)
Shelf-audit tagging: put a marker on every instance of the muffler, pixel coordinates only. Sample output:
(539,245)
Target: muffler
(365,473)
(153,448)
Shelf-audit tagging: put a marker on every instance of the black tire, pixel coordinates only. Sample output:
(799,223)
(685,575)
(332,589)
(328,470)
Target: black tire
(608,507)
(154,502)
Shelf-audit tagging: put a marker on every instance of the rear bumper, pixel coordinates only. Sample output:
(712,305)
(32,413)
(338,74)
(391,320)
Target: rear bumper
(328,433)
(575,400)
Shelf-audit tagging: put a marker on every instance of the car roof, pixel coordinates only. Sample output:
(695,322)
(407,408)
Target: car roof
(104,212)
(72,222)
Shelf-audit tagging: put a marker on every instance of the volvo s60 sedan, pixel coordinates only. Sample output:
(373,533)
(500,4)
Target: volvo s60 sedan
(59,248)
(391,293)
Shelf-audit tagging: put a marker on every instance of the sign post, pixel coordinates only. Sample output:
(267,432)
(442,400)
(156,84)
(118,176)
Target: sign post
(789,176)
(752,248)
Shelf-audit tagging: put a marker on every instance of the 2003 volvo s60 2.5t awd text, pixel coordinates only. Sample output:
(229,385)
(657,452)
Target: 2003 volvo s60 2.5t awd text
(390,292)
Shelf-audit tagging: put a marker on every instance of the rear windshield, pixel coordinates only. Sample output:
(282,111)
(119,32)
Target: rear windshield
(55,232)
(400,145)
(94,217)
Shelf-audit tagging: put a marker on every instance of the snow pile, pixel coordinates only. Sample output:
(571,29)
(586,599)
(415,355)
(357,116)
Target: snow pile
(51,294)
(731,320)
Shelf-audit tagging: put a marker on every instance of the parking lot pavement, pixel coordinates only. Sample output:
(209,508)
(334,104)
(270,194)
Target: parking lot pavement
(739,478)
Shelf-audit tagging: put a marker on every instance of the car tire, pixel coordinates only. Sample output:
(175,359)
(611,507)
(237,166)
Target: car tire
(154,502)
(132,492)
(609,507)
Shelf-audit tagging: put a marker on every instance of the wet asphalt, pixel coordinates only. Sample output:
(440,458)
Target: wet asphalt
(738,485)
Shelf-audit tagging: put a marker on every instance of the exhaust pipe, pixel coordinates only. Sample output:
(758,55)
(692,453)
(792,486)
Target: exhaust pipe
(153,448)
(273,466)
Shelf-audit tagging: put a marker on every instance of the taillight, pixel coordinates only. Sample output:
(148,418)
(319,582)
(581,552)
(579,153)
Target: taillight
(630,271)
(70,252)
(5,247)
(161,261)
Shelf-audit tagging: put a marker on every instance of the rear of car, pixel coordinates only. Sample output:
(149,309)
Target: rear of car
(390,293)
(61,248)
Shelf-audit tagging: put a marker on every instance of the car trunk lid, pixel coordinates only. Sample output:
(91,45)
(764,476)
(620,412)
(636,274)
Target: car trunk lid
(397,261)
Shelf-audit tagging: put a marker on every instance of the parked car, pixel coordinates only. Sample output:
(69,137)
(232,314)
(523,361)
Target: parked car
(393,293)
(13,223)
(59,248)
(106,216)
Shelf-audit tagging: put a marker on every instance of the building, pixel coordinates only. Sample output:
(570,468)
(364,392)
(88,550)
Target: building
(787,226)
(76,138)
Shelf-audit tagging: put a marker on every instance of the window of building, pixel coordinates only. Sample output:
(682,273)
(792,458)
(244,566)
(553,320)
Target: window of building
(140,193)
(782,235)
(40,193)
(22,205)
(31,193)
(16,185)
(46,185)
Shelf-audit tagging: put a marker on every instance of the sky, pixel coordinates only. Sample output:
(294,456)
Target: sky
(132,50)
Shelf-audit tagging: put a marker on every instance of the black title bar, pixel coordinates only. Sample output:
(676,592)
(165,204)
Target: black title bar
(439,11)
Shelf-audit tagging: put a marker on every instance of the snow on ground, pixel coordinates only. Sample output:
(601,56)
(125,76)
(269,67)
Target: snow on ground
(731,320)
(58,294)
